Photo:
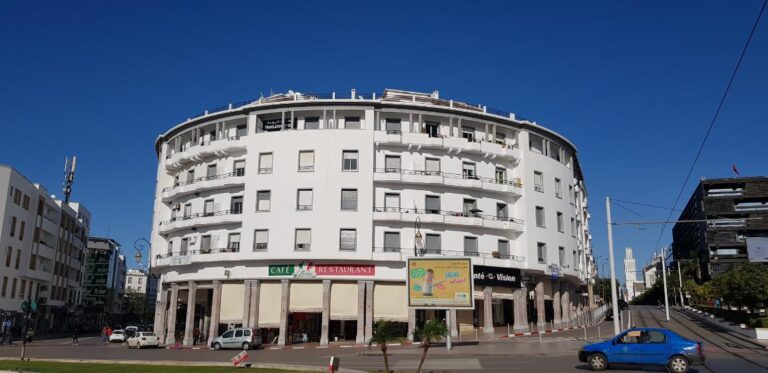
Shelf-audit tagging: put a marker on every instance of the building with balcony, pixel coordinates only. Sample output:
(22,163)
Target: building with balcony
(105,272)
(725,219)
(42,241)
(296,213)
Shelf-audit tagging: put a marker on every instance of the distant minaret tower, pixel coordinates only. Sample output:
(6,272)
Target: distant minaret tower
(630,272)
(69,177)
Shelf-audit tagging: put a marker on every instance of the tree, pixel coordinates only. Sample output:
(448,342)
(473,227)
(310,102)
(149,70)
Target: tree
(138,309)
(384,332)
(433,330)
(745,285)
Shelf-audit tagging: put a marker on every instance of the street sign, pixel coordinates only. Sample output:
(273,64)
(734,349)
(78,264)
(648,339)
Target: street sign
(440,283)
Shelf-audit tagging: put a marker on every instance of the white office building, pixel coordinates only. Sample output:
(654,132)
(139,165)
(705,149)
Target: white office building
(295,214)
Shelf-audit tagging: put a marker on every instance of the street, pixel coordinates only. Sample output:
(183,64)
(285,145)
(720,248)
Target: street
(551,353)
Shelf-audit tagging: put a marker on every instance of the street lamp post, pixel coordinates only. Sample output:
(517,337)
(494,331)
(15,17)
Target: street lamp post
(140,245)
(614,296)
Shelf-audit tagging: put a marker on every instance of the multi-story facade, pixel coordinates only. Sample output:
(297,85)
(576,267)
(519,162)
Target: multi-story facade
(140,281)
(630,273)
(728,214)
(296,213)
(104,285)
(42,241)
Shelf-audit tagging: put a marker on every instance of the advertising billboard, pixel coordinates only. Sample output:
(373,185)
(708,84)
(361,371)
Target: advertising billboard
(497,276)
(440,283)
(757,249)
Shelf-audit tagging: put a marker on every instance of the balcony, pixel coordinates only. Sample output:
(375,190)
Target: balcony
(478,257)
(448,217)
(453,145)
(203,183)
(196,256)
(200,219)
(46,251)
(204,151)
(502,185)
(41,273)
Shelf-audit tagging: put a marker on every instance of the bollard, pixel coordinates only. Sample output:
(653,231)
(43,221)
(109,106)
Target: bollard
(507,329)
(585,333)
(539,337)
(598,332)
(476,334)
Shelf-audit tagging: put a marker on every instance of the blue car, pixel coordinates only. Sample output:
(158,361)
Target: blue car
(644,346)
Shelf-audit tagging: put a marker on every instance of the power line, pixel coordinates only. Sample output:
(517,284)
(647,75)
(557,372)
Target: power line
(628,209)
(714,118)
(643,204)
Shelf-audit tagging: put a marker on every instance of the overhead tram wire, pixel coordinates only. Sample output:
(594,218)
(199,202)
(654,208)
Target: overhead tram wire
(628,209)
(643,204)
(714,118)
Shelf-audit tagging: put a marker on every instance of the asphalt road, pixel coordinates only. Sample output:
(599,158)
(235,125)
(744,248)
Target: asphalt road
(725,351)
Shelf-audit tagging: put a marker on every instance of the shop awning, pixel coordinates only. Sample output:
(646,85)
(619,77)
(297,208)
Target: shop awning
(306,297)
(270,294)
(344,301)
(390,302)
(232,297)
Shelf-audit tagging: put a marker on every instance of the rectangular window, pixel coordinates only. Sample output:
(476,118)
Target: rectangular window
(240,167)
(130,280)
(304,199)
(169,248)
(33,262)
(22,227)
(432,204)
(233,242)
(561,256)
(501,175)
(13,226)
(433,129)
(500,139)
(470,246)
(468,133)
(205,244)
(573,227)
(502,211)
(392,202)
(140,280)
(392,163)
(5,286)
(503,248)
(8,255)
(260,239)
(541,249)
(470,207)
(537,143)
(265,163)
(571,195)
(13,289)
(306,161)
(191,176)
(18,258)
(210,172)
(560,223)
(236,205)
(576,263)
(26,202)
(303,239)
(540,221)
(432,166)
(352,123)
(208,207)
(17,197)
(187,210)
(348,239)
(433,243)
(184,246)
(555,152)
(241,130)
(349,199)
(393,126)
(391,242)
(558,188)
(263,200)
(349,160)
(21,288)
(311,123)
(538,181)
(468,170)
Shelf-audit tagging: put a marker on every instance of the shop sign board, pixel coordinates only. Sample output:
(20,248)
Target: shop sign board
(440,283)
(497,276)
(310,270)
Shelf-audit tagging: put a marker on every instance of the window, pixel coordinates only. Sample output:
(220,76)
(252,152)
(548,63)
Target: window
(432,166)
(263,200)
(8,255)
(303,239)
(561,256)
(130,280)
(433,129)
(205,244)
(311,123)
(21,288)
(393,126)
(260,239)
(575,260)
(501,139)
(13,226)
(469,207)
(210,172)
(228,334)
(654,336)
(538,181)
(265,163)
(236,205)
(392,202)
(352,123)
(349,160)
(239,333)
(392,163)
(191,175)
(560,223)
(502,211)
(208,207)
(540,222)
(470,246)
(348,239)
(33,262)
(558,188)
(18,258)
(501,175)
(21,230)
(240,167)
(17,197)
(468,133)
(187,210)
(433,243)
(503,249)
(241,130)
(570,194)
(26,202)
(304,199)
(573,227)
(5,286)
(536,143)
(541,249)
(233,242)
(349,199)
(169,249)
(306,161)
(13,289)
(140,280)
(184,246)
(555,152)
(432,204)
(468,170)
(392,242)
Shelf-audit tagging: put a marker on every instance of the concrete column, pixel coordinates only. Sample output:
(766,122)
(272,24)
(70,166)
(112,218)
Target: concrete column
(541,322)
(171,337)
(326,310)
(253,316)
(556,304)
(566,306)
(189,324)
(521,310)
(285,301)
(213,329)
(454,327)
(368,310)
(160,312)
(360,338)
(411,323)
(590,295)
(487,309)
(246,303)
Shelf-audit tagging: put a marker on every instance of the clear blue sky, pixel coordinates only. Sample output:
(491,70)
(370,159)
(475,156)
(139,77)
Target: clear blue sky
(632,84)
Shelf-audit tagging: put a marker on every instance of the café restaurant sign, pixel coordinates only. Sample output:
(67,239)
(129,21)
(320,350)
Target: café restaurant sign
(497,276)
(310,270)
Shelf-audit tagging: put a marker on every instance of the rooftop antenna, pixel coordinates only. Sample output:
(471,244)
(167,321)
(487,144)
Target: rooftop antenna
(69,177)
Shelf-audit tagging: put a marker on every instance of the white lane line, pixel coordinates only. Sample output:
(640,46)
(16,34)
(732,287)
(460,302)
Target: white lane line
(78,340)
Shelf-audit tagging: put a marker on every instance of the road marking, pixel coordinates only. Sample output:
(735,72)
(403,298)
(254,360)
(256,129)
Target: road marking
(78,340)
(298,348)
(275,348)
(347,346)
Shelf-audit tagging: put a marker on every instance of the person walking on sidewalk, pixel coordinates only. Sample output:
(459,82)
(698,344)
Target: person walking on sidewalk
(75,332)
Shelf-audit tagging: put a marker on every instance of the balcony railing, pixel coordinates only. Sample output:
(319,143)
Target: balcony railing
(493,180)
(237,173)
(409,251)
(467,214)
(197,252)
(201,215)
(191,145)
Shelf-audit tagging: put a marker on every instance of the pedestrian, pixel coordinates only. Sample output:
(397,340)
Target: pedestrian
(196,336)
(104,335)
(75,332)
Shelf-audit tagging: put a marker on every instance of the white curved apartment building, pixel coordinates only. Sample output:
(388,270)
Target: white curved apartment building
(295,214)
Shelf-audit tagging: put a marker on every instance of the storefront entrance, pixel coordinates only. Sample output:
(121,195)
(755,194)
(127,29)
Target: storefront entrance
(342,330)
(304,327)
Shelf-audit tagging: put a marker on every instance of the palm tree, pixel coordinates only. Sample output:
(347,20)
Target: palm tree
(384,332)
(433,330)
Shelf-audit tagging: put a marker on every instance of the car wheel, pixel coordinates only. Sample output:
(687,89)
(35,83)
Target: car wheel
(217,346)
(678,364)
(246,346)
(598,362)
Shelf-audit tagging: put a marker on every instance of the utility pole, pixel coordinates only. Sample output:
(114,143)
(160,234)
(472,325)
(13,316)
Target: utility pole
(615,298)
(664,272)
(680,279)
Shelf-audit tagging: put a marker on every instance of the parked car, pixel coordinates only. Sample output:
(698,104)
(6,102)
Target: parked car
(118,335)
(245,338)
(644,346)
(143,339)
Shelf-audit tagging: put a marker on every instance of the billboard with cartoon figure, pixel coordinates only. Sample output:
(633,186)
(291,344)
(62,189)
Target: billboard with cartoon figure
(440,283)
